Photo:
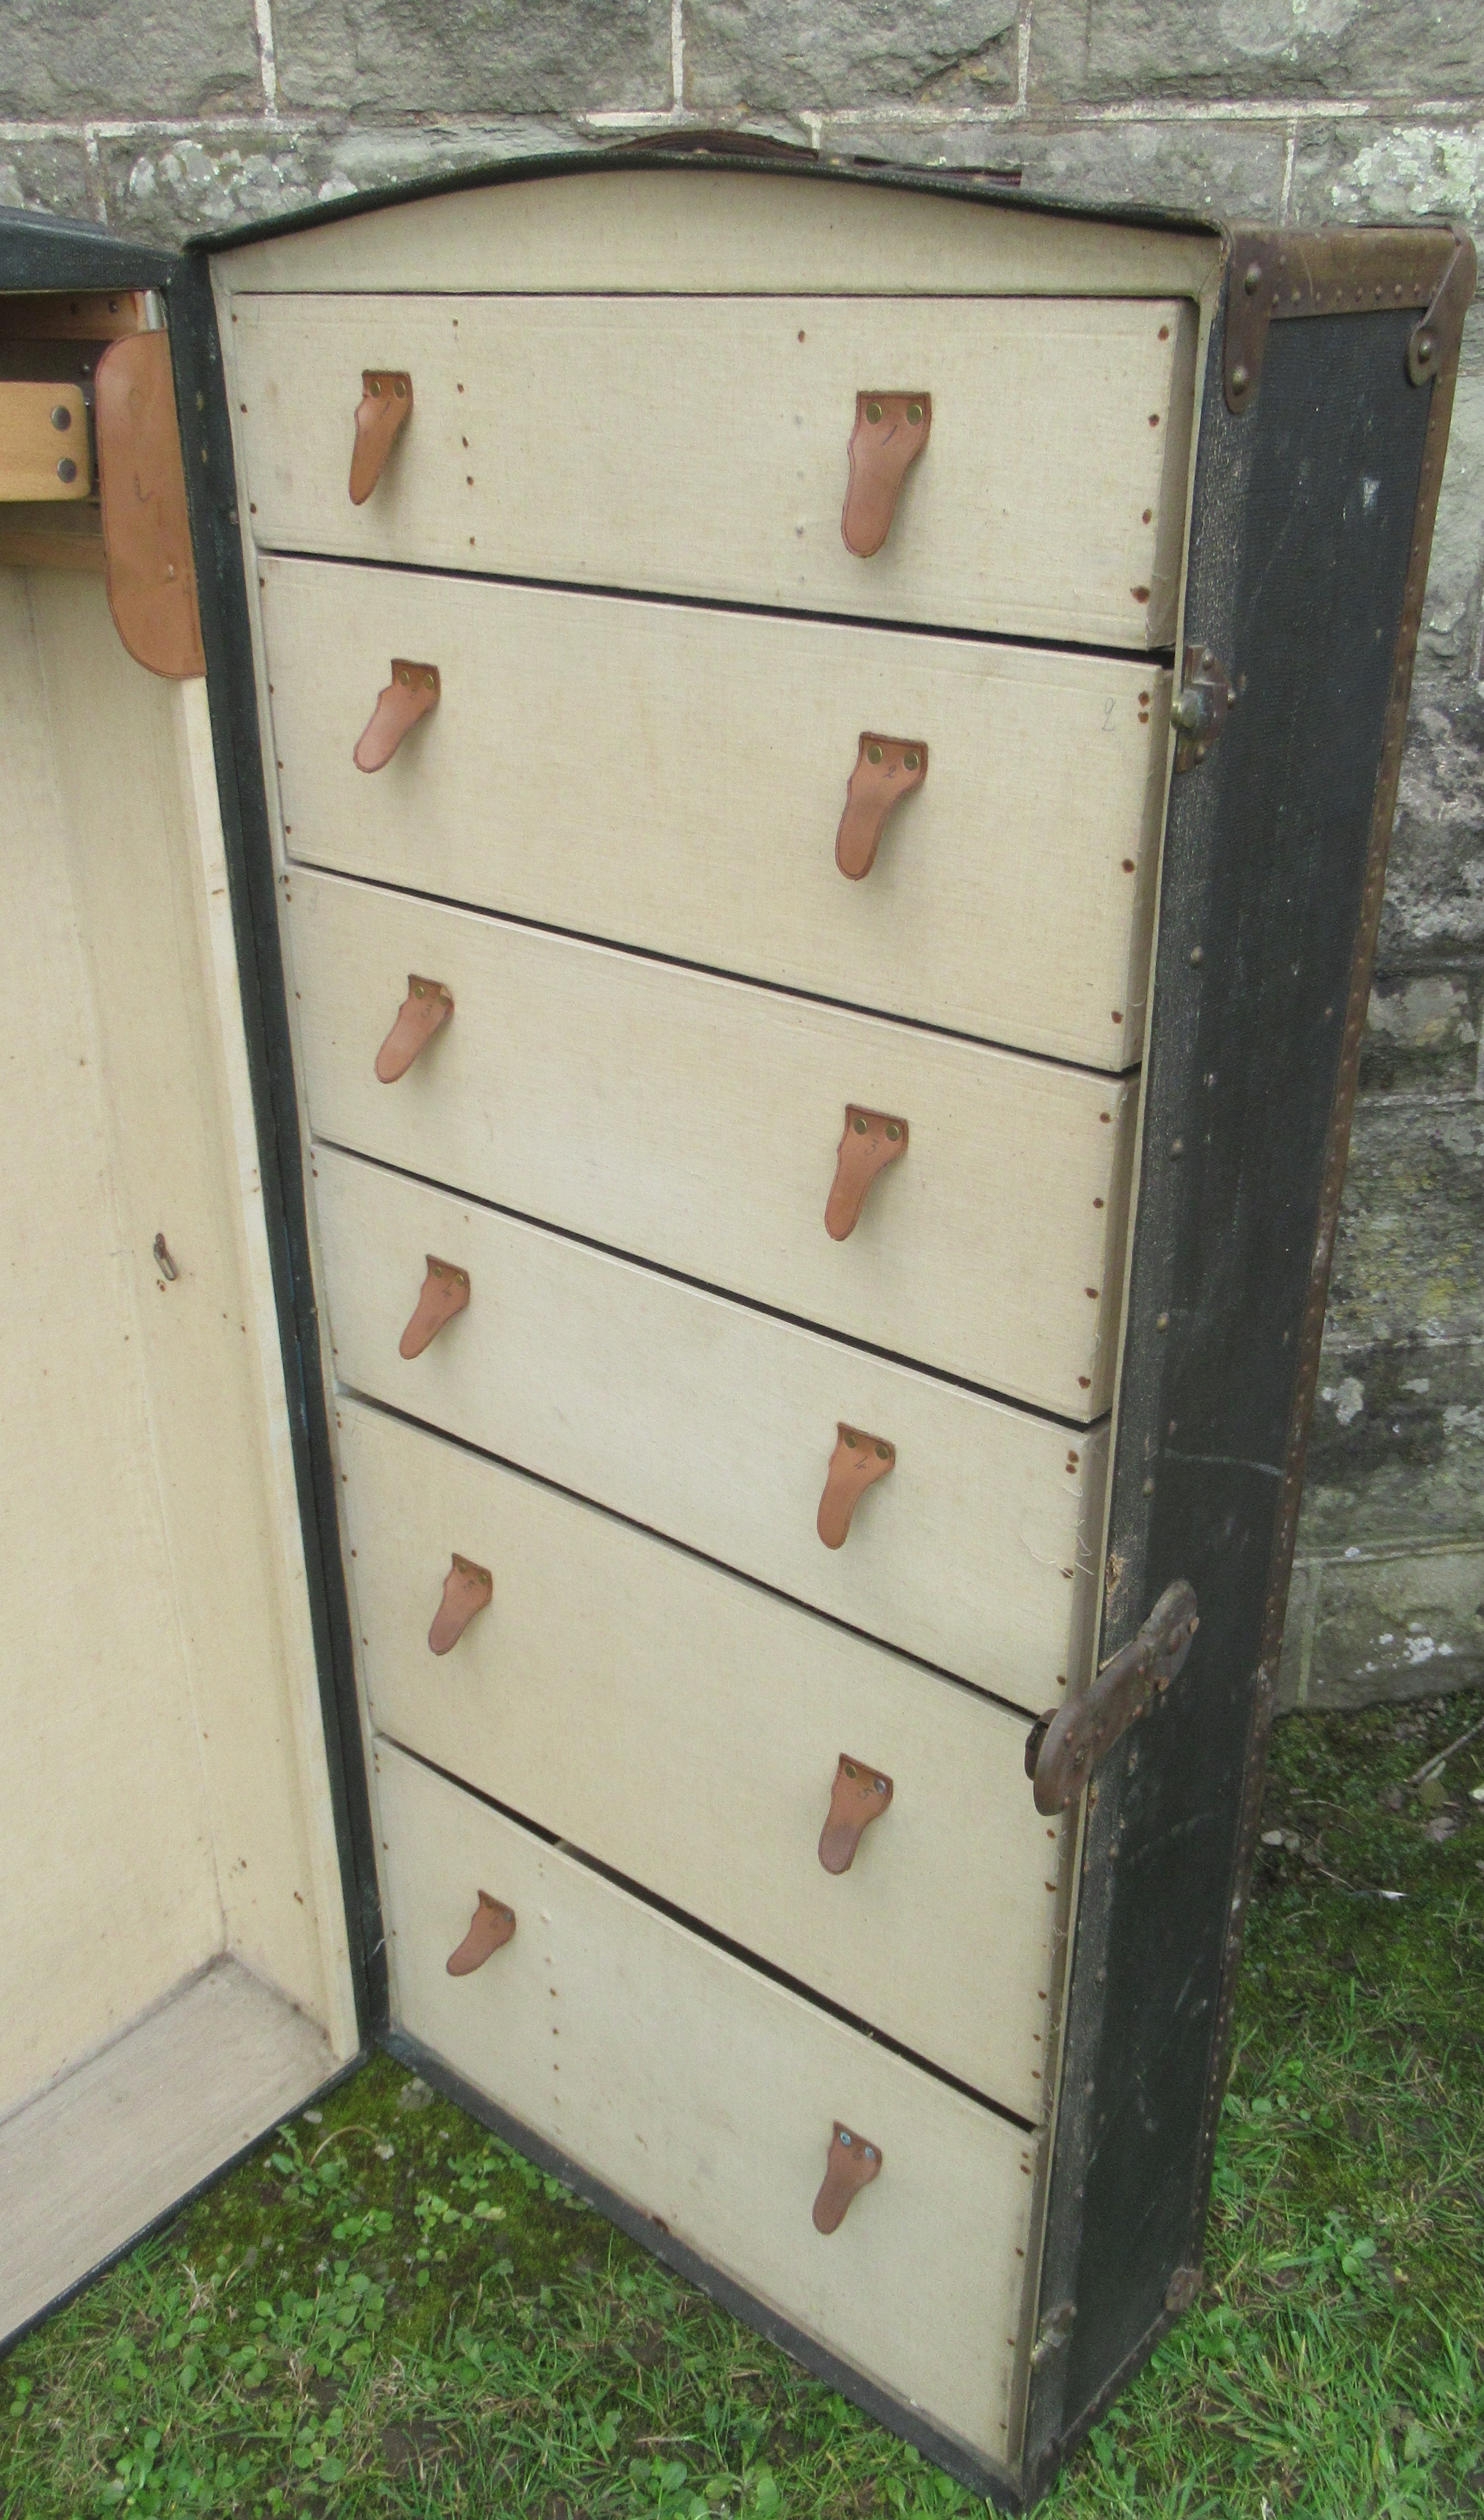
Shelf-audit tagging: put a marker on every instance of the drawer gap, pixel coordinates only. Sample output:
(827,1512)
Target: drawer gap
(666,1540)
(1152,657)
(1080,1427)
(709,971)
(705,1933)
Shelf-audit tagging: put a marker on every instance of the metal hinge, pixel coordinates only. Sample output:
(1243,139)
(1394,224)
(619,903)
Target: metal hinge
(1199,712)
(1435,341)
(1064,1747)
(1054,2332)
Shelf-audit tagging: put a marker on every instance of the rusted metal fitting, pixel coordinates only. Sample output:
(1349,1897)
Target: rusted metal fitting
(1065,1746)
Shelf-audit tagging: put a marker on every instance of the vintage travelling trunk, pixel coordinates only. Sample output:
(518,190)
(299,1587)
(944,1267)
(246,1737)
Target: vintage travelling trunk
(693,849)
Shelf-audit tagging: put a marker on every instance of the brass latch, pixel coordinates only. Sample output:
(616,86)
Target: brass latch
(1064,1748)
(1201,711)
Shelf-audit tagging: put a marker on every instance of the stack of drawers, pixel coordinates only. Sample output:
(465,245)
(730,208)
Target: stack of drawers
(706,1561)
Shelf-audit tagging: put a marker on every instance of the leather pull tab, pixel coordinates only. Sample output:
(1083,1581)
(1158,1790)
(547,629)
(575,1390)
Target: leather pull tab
(885,771)
(857,1462)
(385,403)
(426,1005)
(412,691)
(890,432)
(490,1928)
(445,1291)
(852,2165)
(858,1796)
(467,1590)
(873,1140)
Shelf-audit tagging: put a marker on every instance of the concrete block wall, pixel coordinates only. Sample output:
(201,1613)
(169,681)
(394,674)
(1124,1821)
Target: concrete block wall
(160,120)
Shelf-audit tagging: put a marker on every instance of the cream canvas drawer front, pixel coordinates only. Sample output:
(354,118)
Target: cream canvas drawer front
(695,1121)
(713,1424)
(707,2096)
(686,1729)
(700,446)
(675,780)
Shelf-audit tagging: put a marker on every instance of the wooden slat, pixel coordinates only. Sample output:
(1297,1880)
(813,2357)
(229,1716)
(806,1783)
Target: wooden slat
(89,315)
(32,446)
(698,446)
(90,2164)
(715,1423)
(60,535)
(695,1122)
(705,228)
(707,2096)
(674,779)
(685,1728)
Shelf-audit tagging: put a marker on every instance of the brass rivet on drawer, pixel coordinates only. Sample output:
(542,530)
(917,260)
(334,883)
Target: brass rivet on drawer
(859,1126)
(883,1452)
(376,385)
(873,752)
(399,389)
(849,1770)
(67,469)
(872,411)
(61,418)
(892,1131)
(910,760)
(404,676)
(915,413)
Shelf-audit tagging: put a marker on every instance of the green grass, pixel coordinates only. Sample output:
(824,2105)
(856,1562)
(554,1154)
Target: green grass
(386,2312)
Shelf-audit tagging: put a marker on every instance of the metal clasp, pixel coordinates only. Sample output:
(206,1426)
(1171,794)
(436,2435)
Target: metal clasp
(1064,1747)
(1199,712)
